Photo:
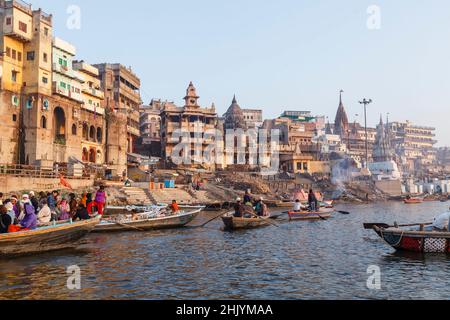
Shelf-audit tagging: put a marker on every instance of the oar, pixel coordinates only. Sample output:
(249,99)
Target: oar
(343,212)
(370,226)
(274,217)
(209,221)
(265,220)
(322,218)
(125,225)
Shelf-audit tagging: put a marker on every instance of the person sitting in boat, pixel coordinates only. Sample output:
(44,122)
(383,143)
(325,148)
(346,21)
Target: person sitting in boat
(30,220)
(239,208)
(298,206)
(5,220)
(261,208)
(45,214)
(27,206)
(174,207)
(64,210)
(248,201)
(442,222)
(312,201)
(10,210)
(81,214)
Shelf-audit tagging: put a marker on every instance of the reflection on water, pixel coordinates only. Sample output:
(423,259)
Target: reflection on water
(299,260)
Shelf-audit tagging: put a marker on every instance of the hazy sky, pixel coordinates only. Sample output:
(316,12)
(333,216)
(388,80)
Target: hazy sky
(277,55)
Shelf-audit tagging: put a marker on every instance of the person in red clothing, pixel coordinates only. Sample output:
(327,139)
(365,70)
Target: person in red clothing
(174,207)
(92,208)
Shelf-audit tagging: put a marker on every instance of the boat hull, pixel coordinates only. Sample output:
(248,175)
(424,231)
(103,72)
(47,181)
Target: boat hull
(172,222)
(413,201)
(416,241)
(308,215)
(233,223)
(45,239)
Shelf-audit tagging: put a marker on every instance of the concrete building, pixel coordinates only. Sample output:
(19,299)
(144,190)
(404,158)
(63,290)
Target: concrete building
(16,31)
(150,128)
(253,118)
(191,120)
(122,93)
(414,145)
(92,115)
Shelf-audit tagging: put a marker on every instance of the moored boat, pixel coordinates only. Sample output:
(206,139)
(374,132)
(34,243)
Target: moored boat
(308,215)
(148,221)
(233,223)
(414,240)
(413,201)
(47,238)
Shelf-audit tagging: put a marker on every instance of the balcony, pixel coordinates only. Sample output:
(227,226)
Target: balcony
(133,131)
(97,110)
(94,92)
(128,92)
(63,70)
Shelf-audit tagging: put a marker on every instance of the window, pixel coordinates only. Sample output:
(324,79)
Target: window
(44,80)
(14,117)
(30,55)
(46,31)
(44,122)
(14,54)
(45,57)
(23,26)
(62,85)
(8,52)
(8,21)
(14,76)
(74,129)
(19,56)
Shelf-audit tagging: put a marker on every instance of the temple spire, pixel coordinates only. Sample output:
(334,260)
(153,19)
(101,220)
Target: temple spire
(234,99)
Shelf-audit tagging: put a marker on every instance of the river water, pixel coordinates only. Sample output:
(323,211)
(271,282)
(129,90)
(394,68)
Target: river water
(298,260)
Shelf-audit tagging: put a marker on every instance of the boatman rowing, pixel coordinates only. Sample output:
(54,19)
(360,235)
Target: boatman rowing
(442,222)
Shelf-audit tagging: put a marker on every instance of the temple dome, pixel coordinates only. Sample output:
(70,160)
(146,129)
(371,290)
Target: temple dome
(234,117)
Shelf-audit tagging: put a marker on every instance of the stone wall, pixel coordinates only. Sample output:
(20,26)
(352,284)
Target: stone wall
(17,184)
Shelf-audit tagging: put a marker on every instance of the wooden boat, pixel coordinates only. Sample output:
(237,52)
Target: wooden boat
(146,224)
(413,201)
(233,223)
(308,215)
(117,210)
(47,238)
(415,241)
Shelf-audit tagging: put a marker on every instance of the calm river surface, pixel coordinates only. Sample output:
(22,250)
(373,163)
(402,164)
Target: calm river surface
(299,260)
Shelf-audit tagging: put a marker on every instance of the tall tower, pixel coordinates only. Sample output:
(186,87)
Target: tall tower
(191,98)
(341,123)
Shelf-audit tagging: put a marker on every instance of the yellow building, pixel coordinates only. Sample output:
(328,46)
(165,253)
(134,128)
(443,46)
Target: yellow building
(15,32)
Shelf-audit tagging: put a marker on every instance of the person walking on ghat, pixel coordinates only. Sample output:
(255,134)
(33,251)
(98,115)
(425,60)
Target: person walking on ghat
(100,200)
(312,201)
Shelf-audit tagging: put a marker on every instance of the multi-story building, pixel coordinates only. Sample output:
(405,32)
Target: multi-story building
(16,32)
(414,144)
(150,127)
(190,120)
(92,114)
(298,146)
(253,118)
(122,94)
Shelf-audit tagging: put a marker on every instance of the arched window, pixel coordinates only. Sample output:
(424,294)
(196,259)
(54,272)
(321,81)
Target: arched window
(43,122)
(74,129)
(85,132)
(85,156)
(99,135)
(92,133)
(59,127)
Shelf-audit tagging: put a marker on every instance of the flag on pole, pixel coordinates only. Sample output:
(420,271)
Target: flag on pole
(64,182)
